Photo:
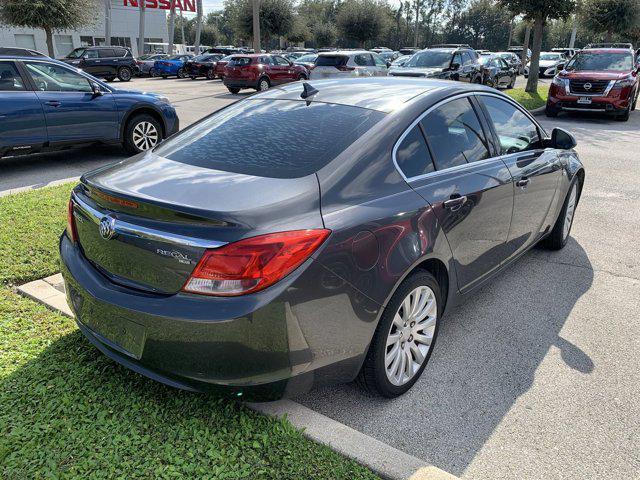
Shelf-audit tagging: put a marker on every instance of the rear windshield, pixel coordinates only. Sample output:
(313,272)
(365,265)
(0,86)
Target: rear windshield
(430,59)
(331,60)
(239,61)
(271,138)
(616,62)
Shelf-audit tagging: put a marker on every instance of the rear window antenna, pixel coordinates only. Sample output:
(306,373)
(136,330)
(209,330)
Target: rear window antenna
(308,91)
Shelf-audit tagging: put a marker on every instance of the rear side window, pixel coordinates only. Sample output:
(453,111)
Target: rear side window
(515,130)
(412,155)
(363,60)
(331,60)
(455,135)
(106,53)
(467,59)
(271,138)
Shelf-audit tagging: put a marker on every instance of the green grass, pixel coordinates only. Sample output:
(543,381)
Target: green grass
(67,411)
(528,100)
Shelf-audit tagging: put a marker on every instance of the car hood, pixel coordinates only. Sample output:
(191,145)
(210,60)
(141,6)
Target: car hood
(592,75)
(415,71)
(549,63)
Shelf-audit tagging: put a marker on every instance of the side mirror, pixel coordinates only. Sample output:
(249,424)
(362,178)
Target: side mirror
(455,66)
(562,139)
(96,90)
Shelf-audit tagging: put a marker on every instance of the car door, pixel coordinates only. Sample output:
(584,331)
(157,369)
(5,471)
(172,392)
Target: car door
(535,170)
(22,124)
(380,65)
(467,71)
(107,62)
(504,71)
(283,70)
(72,111)
(470,188)
(90,62)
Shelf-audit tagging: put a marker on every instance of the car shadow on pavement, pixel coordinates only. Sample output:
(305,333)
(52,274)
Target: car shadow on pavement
(485,358)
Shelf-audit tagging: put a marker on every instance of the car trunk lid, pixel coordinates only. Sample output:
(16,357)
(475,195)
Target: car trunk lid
(146,222)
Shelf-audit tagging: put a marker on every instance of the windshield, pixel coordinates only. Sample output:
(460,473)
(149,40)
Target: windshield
(175,57)
(615,62)
(224,141)
(77,53)
(331,60)
(484,59)
(430,59)
(550,56)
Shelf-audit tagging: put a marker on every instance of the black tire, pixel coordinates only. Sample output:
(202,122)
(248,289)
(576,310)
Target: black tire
(489,82)
(124,74)
(109,78)
(550,112)
(164,77)
(234,90)
(373,376)
(181,73)
(624,116)
(262,82)
(128,143)
(192,77)
(512,83)
(211,75)
(556,240)
(302,77)
(152,72)
(635,99)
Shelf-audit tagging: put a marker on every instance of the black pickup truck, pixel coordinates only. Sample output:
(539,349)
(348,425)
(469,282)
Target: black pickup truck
(104,62)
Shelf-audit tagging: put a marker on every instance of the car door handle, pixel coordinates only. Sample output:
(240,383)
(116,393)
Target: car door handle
(455,202)
(52,103)
(523,182)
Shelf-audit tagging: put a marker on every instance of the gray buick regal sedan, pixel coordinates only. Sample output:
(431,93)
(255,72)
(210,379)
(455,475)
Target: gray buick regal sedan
(313,233)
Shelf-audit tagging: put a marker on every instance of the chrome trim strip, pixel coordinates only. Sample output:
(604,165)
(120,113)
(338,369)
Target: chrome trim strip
(437,173)
(126,228)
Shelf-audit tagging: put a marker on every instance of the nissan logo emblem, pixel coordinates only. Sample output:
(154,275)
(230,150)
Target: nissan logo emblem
(587,86)
(107,227)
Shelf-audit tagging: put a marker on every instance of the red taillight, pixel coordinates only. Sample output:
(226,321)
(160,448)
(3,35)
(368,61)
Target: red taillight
(344,68)
(253,264)
(71,223)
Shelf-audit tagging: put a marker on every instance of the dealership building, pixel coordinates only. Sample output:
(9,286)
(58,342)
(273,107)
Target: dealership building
(124,30)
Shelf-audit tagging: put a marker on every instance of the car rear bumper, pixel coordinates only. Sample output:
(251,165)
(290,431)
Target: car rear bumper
(240,82)
(263,347)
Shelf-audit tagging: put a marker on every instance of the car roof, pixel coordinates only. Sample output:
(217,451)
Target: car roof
(31,58)
(384,94)
(344,52)
(607,50)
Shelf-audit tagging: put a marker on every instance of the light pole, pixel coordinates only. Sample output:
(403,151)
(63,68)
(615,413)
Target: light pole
(256,26)
(143,9)
(172,25)
(107,22)
(198,27)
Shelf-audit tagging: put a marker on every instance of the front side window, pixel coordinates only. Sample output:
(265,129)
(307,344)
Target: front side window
(77,53)
(239,61)
(10,80)
(455,135)
(54,78)
(467,59)
(91,54)
(293,149)
(515,130)
(380,62)
(281,61)
(363,60)
(412,155)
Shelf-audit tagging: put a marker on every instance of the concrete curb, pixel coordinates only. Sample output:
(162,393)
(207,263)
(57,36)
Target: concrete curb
(11,191)
(384,460)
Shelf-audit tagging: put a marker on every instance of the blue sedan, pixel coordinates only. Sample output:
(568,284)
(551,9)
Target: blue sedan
(46,105)
(172,66)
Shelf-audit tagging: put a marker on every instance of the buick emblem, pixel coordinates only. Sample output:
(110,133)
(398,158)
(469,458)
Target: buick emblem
(107,227)
(587,86)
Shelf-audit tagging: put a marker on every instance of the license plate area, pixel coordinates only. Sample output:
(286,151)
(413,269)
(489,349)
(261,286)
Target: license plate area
(584,101)
(120,334)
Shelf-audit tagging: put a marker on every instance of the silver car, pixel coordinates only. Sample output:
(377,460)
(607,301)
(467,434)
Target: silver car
(145,62)
(348,63)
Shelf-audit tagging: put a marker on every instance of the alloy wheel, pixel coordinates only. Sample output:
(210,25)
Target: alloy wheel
(264,85)
(145,136)
(125,74)
(571,208)
(410,335)
(181,73)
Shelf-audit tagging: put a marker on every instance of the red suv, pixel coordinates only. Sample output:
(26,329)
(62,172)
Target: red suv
(260,71)
(600,78)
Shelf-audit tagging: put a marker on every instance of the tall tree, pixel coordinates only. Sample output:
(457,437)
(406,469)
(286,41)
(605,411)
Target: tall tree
(610,17)
(539,12)
(276,18)
(49,15)
(361,21)
(196,43)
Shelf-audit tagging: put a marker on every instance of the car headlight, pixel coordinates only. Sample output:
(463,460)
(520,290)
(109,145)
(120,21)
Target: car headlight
(560,82)
(163,99)
(625,82)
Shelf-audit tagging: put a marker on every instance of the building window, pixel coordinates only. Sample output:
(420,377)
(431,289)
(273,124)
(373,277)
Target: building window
(25,40)
(99,42)
(121,42)
(153,45)
(86,41)
(63,43)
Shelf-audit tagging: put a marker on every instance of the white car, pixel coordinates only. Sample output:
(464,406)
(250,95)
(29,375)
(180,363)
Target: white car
(348,63)
(549,63)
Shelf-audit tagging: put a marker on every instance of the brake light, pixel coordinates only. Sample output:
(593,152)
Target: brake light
(344,68)
(253,264)
(71,223)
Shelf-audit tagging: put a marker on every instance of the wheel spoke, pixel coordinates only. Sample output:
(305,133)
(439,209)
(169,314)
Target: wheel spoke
(393,338)
(423,338)
(392,355)
(417,353)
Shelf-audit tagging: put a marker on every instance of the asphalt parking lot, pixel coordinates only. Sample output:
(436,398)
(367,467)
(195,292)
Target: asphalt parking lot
(537,376)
